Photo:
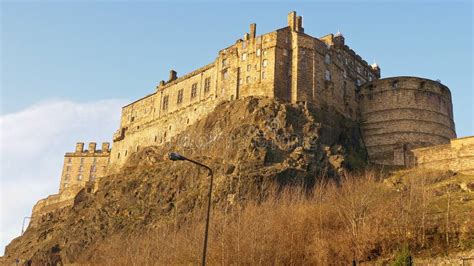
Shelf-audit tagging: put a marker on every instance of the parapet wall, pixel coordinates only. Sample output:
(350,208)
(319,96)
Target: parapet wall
(457,156)
(402,113)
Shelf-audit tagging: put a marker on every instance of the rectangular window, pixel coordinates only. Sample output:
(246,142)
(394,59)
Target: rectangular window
(244,56)
(66,177)
(249,67)
(263,75)
(207,85)
(259,52)
(69,160)
(93,169)
(82,160)
(180,96)
(165,102)
(68,168)
(81,168)
(327,59)
(225,74)
(224,62)
(285,52)
(194,90)
(241,81)
(265,63)
(248,80)
(79,177)
(264,52)
(327,75)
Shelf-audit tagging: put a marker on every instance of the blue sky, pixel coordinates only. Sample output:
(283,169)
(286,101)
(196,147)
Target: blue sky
(67,67)
(91,51)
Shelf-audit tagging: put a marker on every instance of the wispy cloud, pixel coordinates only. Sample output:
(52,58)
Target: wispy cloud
(32,144)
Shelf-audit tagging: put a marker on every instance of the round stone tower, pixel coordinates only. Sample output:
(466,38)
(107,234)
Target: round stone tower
(401,113)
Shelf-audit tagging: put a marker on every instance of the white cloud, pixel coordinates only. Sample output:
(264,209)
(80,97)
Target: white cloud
(32,145)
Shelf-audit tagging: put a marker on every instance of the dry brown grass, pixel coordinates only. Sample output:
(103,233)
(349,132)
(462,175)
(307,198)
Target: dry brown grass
(360,218)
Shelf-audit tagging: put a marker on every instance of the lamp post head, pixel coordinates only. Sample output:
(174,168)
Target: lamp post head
(173,156)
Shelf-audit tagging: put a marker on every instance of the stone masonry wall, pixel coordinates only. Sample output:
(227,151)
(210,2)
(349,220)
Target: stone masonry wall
(457,156)
(402,113)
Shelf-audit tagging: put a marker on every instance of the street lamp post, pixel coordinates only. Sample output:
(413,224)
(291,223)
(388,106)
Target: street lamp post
(178,157)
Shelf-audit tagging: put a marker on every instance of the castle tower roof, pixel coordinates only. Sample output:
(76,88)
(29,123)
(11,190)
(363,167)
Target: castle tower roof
(338,34)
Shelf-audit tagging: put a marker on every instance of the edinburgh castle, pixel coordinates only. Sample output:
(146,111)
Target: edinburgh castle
(396,115)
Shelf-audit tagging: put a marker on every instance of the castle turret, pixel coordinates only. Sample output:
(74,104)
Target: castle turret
(92,146)
(79,147)
(105,147)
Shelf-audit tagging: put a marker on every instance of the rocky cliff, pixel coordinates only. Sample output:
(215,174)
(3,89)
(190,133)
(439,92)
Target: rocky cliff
(253,145)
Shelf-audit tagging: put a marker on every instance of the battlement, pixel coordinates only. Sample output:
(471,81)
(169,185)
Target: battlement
(91,151)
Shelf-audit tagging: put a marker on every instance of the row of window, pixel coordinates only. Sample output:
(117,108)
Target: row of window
(79,177)
(81,169)
(194,86)
(69,160)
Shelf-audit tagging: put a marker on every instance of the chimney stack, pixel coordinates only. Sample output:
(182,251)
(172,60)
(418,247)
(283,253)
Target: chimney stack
(79,147)
(92,146)
(295,22)
(105,147)
(253,30)
(173,75)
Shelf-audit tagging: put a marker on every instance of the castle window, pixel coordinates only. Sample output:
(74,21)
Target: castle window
(82,160)
(241,81)
(225,74)
(259,51)
(327,75)
(68,168)
(69,160)
(344,73)
(327,59)
(66,177)
(94,161)
(126,152)
(79,177)
(259,40)
(303,52)
(263,75)
(358,82)
(346,61)
(286,39)
(224,62)
(194,90)
(118,155)
(370,78)
(92,177)
(358,69)
(81,168)
(138,147)
(232,97)
(207,85)
(244,56)
(93,169)
(244,44)
(132,119)
(285,52)
(156,137)
(180,96)
(249,67)
(247,79)
(265,63)
(264,52)
(395,84)
(165,102)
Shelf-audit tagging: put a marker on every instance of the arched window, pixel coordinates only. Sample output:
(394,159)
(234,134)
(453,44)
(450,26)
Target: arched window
(327,59)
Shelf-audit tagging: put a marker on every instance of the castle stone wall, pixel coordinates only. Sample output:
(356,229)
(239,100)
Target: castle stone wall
(457,156)
(402,113)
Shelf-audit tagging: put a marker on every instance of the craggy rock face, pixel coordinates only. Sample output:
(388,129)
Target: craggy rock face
(252,145)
